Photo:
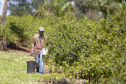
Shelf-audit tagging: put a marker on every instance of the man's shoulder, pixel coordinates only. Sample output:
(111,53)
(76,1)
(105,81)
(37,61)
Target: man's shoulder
(36,35)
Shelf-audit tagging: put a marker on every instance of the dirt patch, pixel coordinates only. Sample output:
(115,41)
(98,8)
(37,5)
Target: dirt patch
(18,48)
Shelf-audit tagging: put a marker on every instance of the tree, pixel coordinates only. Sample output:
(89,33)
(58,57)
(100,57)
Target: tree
(20,7)
(100,5)
(3,17)
(37,3)
(55,7)
(2,20)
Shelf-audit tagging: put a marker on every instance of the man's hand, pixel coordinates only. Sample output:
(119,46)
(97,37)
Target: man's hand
(31,54)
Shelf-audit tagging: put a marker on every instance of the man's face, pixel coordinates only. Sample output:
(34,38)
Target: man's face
(41,33)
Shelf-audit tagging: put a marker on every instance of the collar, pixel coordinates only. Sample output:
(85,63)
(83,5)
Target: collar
(41,36)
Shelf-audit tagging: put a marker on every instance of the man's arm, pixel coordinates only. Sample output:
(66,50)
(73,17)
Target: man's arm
(33,47)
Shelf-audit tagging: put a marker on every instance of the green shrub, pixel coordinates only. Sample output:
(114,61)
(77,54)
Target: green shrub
(85,47)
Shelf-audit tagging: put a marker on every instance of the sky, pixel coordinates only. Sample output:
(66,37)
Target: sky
(1,7)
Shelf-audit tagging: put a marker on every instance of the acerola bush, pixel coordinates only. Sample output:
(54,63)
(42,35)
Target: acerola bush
(83,47)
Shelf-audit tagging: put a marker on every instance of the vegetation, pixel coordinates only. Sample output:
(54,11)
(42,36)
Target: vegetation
(83,47)
(20,7)
(78,47)
(37,3)
(54,7)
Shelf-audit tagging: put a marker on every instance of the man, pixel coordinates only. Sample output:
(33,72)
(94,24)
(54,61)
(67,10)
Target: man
(37,46)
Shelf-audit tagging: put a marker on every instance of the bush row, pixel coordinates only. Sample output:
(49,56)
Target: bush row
(80,47)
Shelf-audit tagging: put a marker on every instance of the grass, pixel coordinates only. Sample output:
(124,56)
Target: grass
(13,69)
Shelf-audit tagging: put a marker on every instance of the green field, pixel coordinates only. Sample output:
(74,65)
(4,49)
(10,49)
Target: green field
(13,69)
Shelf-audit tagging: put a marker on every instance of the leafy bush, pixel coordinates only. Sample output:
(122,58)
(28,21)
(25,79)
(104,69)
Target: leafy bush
(83,47)
(24,28)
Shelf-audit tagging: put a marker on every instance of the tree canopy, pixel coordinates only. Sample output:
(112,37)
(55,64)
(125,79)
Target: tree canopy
(59,7)
(20,7)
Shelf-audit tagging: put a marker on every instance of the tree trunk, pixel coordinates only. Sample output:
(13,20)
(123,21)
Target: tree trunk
(89,10)
(2,20)
(105,12)
(5,43)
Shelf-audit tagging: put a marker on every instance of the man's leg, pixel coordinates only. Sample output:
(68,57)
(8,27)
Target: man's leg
(41,65)
(37,62)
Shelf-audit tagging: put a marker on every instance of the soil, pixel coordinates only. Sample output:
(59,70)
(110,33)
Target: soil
(18,48)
